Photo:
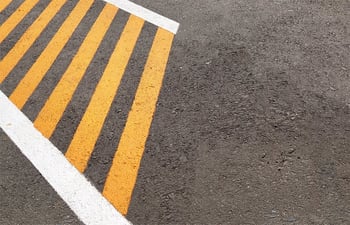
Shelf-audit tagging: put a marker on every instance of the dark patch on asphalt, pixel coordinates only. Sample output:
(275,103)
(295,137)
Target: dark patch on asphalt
(242,133)
(252,123)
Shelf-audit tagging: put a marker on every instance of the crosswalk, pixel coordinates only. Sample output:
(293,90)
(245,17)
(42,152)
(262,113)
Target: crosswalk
(21,85)
(4,4)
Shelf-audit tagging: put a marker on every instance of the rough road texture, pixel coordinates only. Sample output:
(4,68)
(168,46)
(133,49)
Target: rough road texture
(253,121)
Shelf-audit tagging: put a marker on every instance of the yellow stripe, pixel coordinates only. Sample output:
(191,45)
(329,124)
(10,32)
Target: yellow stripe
(4,4)
(90,126)
(15,18)
(28,38)
(54,107)
(122,175)
(36,73)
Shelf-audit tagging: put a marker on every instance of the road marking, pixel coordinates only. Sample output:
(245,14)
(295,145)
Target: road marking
(4,4)
(86,202)
(31,80)
(28,38)
(122,176)
(84,139)
(54,107)
(14,19)
(146,14)
(123,173)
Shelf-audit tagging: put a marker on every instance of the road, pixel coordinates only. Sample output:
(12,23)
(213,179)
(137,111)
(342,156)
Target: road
(251,124)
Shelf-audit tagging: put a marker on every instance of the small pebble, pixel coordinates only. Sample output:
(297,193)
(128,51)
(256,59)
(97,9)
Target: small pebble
(290,219)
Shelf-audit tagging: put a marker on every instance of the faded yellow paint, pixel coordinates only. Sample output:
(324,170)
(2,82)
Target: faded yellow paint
(54,107)
(85,137)
(28,38)
(38,70)
(4,4)
(122,175)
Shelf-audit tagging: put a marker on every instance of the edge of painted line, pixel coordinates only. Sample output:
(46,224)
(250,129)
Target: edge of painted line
(79,194)
(146,14)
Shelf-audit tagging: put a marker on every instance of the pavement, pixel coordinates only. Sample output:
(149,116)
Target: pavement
(251,123)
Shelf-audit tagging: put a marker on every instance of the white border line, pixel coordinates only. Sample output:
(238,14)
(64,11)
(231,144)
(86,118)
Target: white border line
(87,203)
(146,14)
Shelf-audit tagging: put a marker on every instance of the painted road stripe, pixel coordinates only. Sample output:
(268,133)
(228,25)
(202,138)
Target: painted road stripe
(146,14)
(29,83)
(14,19)
(54,107)
(123,173)
(90,126)
(29,37)
(4,4)
(122,176)
(86,202)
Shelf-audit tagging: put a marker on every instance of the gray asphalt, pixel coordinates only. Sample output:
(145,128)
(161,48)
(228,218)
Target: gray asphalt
(251,126)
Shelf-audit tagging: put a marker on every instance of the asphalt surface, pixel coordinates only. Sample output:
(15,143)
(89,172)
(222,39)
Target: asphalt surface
(251,126)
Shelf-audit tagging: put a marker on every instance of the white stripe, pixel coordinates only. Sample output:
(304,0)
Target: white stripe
(146,14)
(87,203)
